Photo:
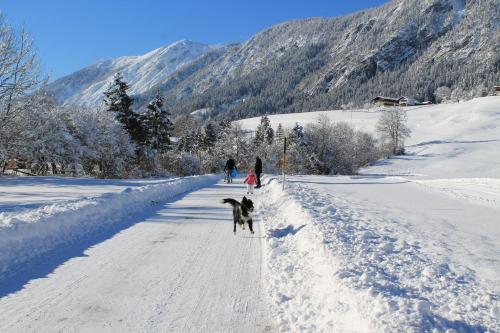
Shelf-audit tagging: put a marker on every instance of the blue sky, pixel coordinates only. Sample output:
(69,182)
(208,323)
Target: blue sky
(71,34)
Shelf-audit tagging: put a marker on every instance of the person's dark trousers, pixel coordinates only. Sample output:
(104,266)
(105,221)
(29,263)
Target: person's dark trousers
(258,179)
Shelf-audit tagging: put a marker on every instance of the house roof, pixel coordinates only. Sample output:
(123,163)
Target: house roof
(392,99)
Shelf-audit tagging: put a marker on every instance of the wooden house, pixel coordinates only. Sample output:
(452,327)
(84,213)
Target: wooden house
(385,101)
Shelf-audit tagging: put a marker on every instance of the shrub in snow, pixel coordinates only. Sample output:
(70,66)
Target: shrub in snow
(182,164)
(108,150)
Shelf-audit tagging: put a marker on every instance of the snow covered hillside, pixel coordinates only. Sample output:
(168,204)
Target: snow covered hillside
(143,73)
(461,139)
(317,62)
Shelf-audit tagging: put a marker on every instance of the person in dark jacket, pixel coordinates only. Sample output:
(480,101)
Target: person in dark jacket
(258,170)
(228,169)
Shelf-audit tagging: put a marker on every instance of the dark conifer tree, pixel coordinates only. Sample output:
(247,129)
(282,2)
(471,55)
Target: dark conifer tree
(262,133)
(269,135)
(157,125)
(280,133)
(210,136)
(119,102)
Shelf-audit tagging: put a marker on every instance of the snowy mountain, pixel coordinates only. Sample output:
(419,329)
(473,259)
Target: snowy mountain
(406,47)
(143,72)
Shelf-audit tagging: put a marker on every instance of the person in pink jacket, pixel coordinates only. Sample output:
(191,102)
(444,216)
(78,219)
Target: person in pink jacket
(250,180)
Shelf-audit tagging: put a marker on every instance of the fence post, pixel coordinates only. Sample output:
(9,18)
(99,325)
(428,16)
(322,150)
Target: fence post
(284,165)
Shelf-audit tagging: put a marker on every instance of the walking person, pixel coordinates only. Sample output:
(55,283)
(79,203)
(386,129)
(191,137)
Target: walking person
(258,170)
(250,180)
(229,168)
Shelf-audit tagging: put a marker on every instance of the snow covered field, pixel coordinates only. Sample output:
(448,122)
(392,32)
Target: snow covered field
(458,140)
(412,244)
(19,193)
(30,233)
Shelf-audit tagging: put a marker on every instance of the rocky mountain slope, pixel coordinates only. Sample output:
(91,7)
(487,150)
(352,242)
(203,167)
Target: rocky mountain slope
(406,47)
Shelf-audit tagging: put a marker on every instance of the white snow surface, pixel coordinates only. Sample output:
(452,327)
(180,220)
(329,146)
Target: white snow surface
(412,244)
(21,193)
(31,233)
(457,140)
(174,267)
(379,254)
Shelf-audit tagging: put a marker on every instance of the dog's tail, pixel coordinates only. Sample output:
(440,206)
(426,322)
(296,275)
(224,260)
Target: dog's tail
(232,202)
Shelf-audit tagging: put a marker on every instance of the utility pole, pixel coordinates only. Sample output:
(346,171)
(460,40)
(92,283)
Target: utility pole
(284,164)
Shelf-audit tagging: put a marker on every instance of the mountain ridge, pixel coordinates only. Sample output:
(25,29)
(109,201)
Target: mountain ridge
(404,47)
(142,72)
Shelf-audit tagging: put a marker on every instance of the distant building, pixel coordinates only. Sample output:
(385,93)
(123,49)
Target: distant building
(390,101)
(385,101)
(407,101)
(497,90)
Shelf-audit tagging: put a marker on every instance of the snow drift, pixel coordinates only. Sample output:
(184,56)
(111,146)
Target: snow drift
(32,233)
(332,268)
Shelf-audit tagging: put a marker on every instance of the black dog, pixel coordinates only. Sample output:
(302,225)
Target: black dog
(241,212)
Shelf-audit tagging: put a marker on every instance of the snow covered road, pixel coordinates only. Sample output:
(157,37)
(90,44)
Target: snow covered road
(179,269)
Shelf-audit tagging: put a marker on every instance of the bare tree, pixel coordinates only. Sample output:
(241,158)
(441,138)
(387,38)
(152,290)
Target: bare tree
(19,76)
(392,129)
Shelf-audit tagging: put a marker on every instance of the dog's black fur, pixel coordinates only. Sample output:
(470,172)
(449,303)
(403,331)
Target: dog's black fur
(241,212)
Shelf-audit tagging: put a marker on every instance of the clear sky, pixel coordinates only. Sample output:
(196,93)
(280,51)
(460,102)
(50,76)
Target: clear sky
(71,34)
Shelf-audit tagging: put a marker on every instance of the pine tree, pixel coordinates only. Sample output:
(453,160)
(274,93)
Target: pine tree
(280,134)
(297,135)
(262,133)
(156,124)
(210,136)
(119,103)
(269,135)
(198,140)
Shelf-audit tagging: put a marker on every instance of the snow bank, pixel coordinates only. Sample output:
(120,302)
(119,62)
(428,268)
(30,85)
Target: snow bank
(31,233)
(330,269)
(301,281)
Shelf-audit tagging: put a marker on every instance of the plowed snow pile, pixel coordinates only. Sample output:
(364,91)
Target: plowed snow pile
(338,261)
